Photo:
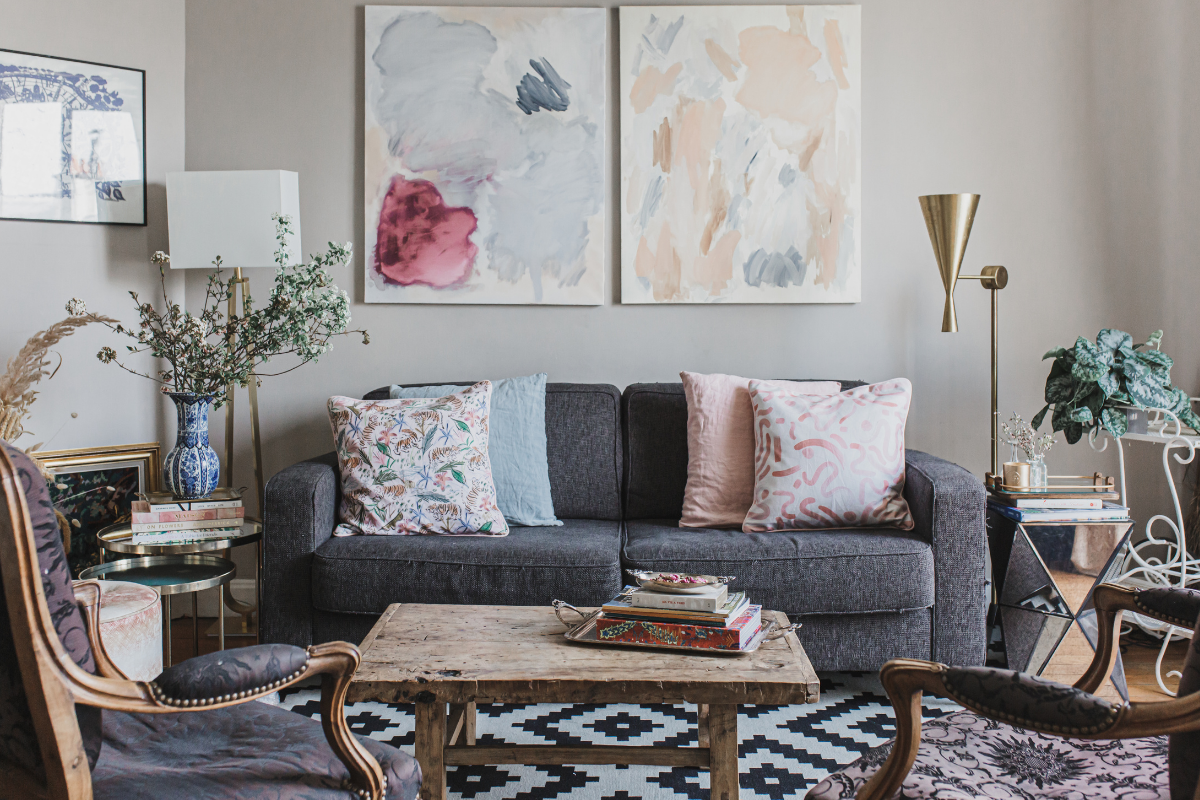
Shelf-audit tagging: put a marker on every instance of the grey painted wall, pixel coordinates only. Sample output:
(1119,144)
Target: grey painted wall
(44,264)
(1007,99)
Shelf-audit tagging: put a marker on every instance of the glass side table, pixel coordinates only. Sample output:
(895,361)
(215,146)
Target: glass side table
(170,575)
(117,539)
(1044,577)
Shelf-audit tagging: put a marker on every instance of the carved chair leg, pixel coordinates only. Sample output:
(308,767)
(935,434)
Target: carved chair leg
(905,681)
(1109,601)
(338,661)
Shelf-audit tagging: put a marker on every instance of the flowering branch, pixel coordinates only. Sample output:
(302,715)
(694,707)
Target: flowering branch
(205,353)
(1022,435)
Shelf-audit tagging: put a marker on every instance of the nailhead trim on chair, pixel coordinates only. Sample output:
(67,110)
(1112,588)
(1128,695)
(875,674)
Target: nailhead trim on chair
(363,792)
(1185,623)
(157,691)
(1028,723)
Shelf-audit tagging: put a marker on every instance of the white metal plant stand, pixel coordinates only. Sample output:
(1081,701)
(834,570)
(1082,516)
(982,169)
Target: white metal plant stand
(1155,561)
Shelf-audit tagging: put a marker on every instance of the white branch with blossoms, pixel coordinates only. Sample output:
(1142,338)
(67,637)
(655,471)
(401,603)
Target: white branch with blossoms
(208,352)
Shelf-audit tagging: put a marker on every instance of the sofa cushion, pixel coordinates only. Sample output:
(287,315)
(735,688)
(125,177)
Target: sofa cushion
(578,562)
(656,449)
(844,571)
(583,447)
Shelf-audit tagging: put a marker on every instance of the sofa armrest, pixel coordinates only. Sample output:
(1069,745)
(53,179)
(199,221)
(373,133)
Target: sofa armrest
(300,513)
(948,505)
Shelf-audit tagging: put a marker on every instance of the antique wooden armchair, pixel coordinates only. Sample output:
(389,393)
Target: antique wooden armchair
(1022,736)
(73,727)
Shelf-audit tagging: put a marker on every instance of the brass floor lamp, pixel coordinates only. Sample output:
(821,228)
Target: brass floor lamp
(949,218)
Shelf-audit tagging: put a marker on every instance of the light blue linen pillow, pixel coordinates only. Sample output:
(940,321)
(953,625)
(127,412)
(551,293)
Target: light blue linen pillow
(516,446)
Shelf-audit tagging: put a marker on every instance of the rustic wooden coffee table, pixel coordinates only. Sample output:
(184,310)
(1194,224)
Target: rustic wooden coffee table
(446,659)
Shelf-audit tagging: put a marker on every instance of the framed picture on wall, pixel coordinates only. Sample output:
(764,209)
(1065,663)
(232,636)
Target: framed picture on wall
(95,487)
(72,140)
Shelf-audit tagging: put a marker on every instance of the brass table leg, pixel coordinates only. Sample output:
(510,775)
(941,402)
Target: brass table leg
(431,741)
(723,755)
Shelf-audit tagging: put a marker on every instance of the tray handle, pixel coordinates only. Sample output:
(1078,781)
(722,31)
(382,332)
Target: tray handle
(784,631)
(562,605)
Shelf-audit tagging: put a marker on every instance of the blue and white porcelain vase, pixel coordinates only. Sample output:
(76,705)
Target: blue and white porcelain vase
(191,469)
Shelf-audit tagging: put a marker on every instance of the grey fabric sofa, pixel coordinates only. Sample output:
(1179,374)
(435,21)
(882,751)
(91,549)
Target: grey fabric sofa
(618,465)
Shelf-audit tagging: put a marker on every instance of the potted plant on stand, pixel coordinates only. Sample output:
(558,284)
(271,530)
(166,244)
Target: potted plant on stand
(1093,385)
(208,351)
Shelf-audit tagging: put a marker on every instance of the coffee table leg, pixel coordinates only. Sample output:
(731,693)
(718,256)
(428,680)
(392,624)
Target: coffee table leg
(702,725)
(723,755)
(431,739)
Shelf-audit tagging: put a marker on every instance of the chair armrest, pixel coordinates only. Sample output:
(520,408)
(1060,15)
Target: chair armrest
(948,505)
(1177,606)
(1030,702)
(230,675)
(300,514)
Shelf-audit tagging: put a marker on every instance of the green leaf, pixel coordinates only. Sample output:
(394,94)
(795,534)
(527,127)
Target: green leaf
(485,527)
(1113,339)
(448,466)
(433,497)
(1110,384)
(1039,417)
(1156,358)
(1059,389)
(462,426)
(1083,415)
(386,475)
(458,476)
(381,447)
(1057,352)
(1074,432)
(1061,417)
(1153,341)
(1091,355)
(428,440)
(1120,398)
(1189,418)
(1089,372)
(1148,395)
(1114,421)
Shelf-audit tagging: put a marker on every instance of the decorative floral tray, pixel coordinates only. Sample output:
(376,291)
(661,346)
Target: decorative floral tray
(676,583)
(584,632)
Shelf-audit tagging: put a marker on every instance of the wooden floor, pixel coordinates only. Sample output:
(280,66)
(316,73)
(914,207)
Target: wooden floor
(1066,667)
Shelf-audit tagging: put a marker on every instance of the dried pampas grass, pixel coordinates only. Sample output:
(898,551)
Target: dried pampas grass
(27,368)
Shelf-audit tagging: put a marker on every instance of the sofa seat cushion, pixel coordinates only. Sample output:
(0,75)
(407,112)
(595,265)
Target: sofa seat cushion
(843,571)
(579,562)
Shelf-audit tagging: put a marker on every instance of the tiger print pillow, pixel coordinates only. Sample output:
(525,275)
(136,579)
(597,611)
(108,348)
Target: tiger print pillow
(416,466)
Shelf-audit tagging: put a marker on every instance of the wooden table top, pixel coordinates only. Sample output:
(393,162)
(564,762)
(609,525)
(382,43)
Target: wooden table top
(518,654)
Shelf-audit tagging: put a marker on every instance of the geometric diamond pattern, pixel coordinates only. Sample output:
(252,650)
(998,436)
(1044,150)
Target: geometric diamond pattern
(782,750)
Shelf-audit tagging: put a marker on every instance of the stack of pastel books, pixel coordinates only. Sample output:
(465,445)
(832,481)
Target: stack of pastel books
(711,619)
(158,518)
(1058,506)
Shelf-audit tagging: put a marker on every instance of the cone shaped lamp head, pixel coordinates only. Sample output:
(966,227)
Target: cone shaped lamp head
(949,218)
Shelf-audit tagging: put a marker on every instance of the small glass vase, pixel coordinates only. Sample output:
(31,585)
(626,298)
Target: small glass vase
(1039,478)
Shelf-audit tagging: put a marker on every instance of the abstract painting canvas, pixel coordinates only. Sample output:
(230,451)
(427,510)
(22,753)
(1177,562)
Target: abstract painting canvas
(72,140)
(740,154)
(484,155)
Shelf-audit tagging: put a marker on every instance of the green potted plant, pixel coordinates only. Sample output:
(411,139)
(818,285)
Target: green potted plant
(1092,385)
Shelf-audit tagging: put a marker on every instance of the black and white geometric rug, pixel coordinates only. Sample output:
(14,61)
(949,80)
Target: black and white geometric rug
(783,750)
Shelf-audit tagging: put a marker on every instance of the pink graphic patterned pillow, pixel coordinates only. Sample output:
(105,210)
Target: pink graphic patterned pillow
(829,462)
(416,466)
(720,428)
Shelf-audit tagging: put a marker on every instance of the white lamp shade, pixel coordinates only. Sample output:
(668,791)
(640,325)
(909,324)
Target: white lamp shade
(228,214)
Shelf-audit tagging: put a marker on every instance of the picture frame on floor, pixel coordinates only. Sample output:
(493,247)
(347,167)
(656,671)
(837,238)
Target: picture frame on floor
(74,136)
(94,487)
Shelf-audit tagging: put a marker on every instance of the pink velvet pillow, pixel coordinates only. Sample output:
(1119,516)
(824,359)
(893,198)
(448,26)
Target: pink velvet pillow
(720,479)
(829,462)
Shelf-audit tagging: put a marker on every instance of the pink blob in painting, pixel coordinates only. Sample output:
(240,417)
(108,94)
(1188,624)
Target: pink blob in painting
(421,240)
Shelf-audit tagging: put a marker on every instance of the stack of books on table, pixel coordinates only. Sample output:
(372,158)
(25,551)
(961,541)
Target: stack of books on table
(1058,506)
(158,518)
(714,619)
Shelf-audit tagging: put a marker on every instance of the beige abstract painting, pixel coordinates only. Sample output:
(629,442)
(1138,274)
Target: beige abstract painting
(740,154)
